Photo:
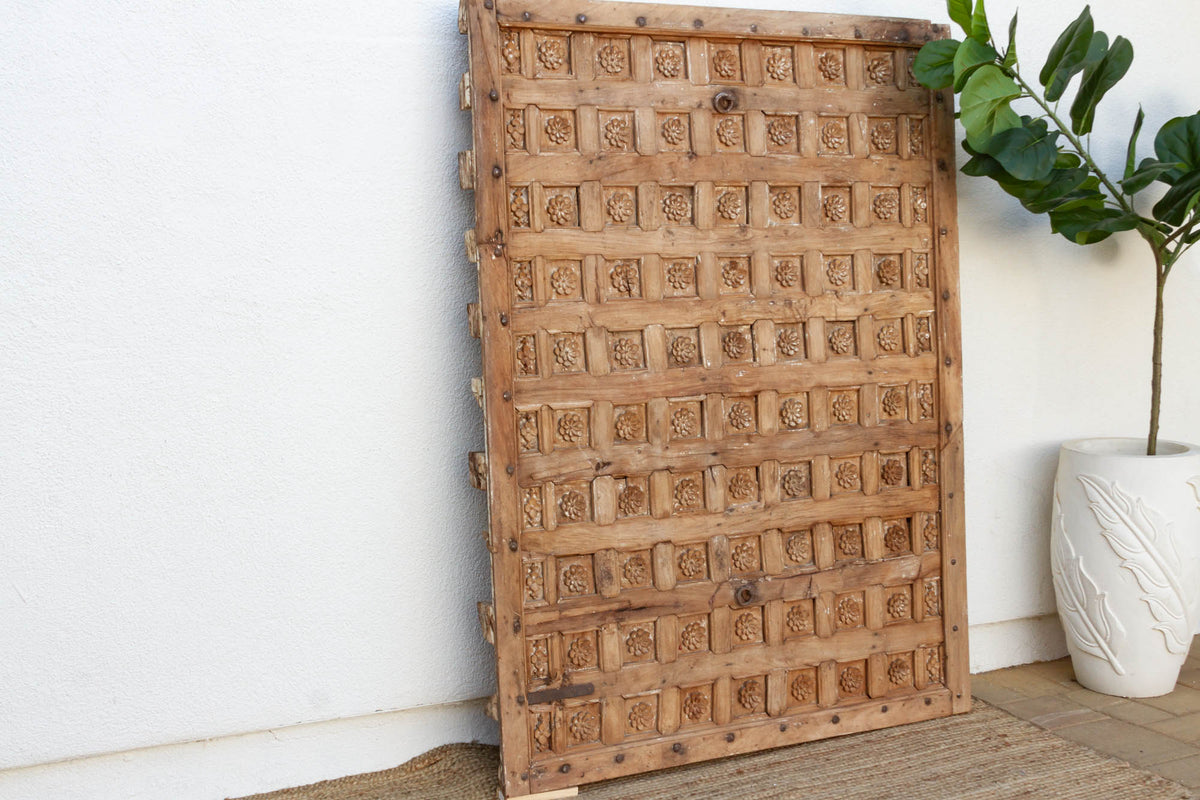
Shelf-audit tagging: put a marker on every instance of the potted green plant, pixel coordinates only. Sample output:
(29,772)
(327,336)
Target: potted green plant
(1125,532)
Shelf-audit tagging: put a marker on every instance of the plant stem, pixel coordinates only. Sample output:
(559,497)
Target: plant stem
(1156,358)
(1080,150)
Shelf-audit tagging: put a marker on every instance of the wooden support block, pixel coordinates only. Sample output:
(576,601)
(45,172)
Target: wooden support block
(555,794)
(664,566)
(464,92)
(474,320)
(477,390)
(466,170)
(608,580)
(471,245)
(477,463)
(487,621)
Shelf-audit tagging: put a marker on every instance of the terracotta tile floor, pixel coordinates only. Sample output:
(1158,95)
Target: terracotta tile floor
(1159,734)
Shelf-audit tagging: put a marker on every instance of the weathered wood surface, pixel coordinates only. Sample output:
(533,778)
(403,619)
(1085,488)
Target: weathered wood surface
(722,382)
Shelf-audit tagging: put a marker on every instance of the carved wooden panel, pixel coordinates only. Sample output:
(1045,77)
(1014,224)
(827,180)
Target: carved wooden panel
(719,317)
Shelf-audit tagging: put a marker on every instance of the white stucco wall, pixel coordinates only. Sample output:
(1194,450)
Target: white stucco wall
(233,384)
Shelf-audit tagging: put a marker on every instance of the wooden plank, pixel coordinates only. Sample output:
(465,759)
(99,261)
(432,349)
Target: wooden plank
(744,310)
(574,465)
(685,747)
(620,168)
(646,532)
(693,597)
(491,221)
(680,20)
(732,379)
(759,660)
(949,383)
(682,240)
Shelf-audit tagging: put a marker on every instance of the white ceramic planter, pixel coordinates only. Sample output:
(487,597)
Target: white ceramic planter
(1125,554)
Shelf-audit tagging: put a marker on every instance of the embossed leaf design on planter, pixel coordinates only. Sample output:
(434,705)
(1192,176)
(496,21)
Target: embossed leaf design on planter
(1139,537)
(1082,606)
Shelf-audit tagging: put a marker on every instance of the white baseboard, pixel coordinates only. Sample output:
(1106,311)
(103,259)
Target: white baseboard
(233,766)
(1016,641)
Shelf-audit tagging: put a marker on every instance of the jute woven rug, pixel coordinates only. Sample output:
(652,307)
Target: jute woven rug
(983,755)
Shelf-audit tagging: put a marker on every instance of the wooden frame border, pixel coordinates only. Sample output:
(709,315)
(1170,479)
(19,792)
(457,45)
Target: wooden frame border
(704,21)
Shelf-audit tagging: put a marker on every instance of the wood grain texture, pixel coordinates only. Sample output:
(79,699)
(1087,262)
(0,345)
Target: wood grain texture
(722,382)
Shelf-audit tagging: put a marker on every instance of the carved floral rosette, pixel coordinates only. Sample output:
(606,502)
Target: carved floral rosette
(1125,559)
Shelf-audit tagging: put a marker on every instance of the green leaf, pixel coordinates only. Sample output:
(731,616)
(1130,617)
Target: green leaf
(1062,78)
(1067,183)
(1088,195)
(971,56)
(1179,200)
(1089,223)
(1067,161)
(984,166)
(960,12)
(1179,140)
(1154,232)
(985,105)
(1097,81)
(934,64)
(1068,51)
(1055,191)
(1131,152)
(979,24)
(1147,173)
(1027,152)
(1010,55)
